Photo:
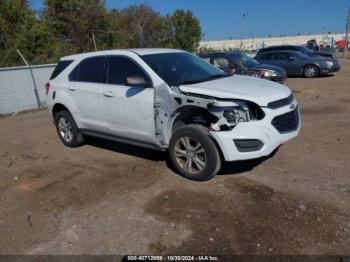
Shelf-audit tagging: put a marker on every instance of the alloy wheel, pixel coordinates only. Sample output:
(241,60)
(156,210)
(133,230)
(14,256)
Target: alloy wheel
(310,71)
(65,129)
(190,155)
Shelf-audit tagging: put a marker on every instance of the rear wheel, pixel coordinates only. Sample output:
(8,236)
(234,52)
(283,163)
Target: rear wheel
(311,71)
(194,154)
(68,130)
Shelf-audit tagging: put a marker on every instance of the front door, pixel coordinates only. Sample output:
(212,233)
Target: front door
(128,111)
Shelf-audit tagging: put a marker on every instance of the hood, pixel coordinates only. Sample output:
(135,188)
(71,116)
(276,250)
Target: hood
(278,69)
(252,89)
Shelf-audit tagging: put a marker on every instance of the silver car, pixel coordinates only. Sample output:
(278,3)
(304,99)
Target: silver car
(299,64)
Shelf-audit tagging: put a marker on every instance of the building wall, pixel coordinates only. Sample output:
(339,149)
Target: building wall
(257,43)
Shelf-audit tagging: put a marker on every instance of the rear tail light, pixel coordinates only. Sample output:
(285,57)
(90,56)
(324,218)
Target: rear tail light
(47,88)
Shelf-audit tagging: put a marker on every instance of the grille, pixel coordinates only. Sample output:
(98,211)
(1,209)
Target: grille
(287,122)
(280,103)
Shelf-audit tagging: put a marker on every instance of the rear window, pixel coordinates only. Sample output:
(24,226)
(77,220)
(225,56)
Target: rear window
(60,67)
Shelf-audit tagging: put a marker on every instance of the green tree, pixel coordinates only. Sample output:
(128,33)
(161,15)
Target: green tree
(140,26)
(16,19)
(184,30)
(75,21)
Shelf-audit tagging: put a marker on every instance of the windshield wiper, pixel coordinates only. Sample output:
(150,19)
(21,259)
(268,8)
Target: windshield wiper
(216,77)
(189,82)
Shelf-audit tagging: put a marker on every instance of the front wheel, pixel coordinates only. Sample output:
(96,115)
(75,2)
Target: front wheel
(311,71)
(194,154)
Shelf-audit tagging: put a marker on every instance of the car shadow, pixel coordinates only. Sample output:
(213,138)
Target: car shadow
(320,76)
(127,149)
(133,91)
(228,168)
(238,167)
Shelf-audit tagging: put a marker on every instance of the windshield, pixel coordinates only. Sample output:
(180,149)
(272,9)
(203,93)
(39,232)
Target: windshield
(300,55)
(245,60)
(182,68)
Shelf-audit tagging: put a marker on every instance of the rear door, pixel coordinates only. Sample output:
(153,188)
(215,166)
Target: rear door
(129,111)
(85,89)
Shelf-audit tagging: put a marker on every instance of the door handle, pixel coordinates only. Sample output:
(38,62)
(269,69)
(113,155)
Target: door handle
(108,94)
(71,88)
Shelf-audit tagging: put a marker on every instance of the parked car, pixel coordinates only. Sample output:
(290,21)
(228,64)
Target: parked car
(326,54)
(299,64)
(173,101)
(238,63)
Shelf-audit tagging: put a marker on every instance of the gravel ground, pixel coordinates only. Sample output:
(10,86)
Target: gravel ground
(109,198)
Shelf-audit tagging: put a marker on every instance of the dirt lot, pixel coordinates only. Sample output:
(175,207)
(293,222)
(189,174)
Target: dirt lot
(108,198)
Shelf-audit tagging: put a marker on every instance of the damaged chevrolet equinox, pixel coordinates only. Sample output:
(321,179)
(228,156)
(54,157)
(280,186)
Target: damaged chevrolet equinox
(172,101)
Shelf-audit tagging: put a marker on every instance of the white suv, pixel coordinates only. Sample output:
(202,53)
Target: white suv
(171,100)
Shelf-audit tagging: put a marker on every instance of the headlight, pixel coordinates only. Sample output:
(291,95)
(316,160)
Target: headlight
(268,73)
(330,63)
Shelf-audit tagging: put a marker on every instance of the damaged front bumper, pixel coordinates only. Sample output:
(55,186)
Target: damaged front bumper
(255,139)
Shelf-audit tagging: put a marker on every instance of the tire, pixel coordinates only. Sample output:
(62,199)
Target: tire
(68,130)
(194,154)
(311,71)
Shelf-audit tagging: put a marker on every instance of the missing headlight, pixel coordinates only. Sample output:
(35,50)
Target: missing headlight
(255,112)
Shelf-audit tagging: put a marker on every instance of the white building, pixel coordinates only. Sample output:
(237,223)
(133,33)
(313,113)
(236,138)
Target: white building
(257,43)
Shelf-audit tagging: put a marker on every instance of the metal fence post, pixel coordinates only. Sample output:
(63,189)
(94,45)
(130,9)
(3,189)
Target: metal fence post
(33,79)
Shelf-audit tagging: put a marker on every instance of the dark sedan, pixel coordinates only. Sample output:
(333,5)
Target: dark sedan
(327,54)
(299,64)
(238,63)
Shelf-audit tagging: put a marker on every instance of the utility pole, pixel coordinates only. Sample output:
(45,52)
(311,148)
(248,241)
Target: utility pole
(93,39)
(345,54)
(242,31)
(33,79)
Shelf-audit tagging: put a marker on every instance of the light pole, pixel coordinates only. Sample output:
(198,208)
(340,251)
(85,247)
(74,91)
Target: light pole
(242,30)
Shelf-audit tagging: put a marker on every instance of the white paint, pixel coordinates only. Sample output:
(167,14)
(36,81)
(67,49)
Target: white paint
(240,87)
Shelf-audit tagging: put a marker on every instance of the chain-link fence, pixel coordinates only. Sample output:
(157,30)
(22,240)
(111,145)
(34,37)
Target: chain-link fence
(17,90)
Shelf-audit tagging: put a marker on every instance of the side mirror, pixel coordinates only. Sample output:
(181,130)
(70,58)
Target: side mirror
(137,81)
(292,58)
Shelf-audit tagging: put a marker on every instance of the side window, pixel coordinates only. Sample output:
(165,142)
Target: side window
(74,75)
(91,70)
(221,62)
(120,68)
(60,67)
(283,56)
(268,56)
(206,59)
(274,56)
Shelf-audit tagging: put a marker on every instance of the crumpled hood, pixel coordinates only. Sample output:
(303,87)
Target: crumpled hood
(252,89)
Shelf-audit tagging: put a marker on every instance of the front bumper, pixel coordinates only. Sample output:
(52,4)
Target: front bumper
(328,70)
(261,130)
(279,79)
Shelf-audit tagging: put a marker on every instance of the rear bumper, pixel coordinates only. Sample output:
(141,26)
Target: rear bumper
(253,132)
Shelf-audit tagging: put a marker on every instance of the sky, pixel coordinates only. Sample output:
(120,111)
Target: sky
(224,19)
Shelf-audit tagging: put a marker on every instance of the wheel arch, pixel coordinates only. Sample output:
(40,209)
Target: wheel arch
(57,108)
(184,115)
(310,64)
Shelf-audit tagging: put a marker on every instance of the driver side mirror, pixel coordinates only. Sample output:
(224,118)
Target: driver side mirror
(292,58)
(138,81)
